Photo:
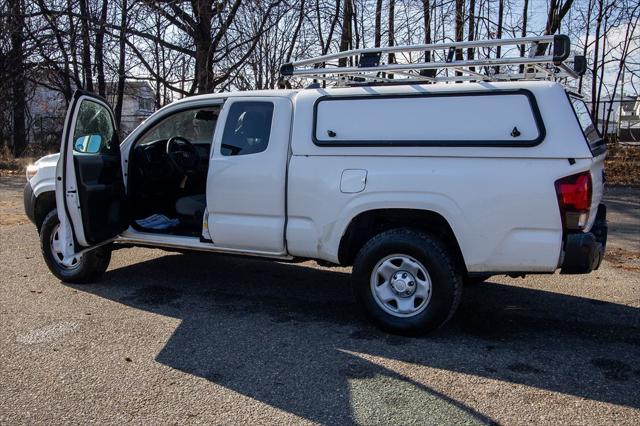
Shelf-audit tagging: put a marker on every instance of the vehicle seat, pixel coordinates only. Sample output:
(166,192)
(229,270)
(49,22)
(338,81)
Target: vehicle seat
(191,208)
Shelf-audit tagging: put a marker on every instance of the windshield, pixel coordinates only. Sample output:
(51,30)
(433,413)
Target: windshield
(197,125)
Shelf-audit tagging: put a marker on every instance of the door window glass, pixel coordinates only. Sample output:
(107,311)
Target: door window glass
(94,132)
(196,125)
(247,128)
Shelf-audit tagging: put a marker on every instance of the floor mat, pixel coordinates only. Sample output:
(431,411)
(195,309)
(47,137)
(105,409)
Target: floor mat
(158,221)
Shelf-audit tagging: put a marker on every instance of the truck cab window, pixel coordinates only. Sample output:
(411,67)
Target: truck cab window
(247,128)
(94,132)
(197,125)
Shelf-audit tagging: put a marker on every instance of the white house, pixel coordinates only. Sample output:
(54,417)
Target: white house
(624,119)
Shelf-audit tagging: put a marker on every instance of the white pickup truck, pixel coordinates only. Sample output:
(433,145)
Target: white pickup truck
(419,187)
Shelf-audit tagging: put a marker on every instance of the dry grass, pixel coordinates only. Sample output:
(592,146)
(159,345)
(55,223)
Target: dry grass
(622,258)
(10,166)
(623,165)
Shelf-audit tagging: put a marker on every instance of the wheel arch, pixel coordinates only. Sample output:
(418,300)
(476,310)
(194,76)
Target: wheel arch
(45,202)
(369,223)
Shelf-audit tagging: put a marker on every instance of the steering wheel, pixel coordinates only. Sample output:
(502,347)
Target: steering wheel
(183,155)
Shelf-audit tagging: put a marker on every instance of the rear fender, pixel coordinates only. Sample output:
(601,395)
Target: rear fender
(438,203)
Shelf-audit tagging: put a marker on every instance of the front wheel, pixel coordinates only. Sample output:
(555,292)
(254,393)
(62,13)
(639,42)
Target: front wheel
(407,281)
(79,269)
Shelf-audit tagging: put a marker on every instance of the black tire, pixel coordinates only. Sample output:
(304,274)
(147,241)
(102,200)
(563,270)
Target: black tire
(445,278)
(87,269)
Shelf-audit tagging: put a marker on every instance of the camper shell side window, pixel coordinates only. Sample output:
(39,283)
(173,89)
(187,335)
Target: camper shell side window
(504,118)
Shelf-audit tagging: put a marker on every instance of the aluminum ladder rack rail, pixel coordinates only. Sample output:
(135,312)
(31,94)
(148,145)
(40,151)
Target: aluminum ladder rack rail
(365,64)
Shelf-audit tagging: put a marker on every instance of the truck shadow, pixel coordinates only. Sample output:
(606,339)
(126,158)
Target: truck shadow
(291,336)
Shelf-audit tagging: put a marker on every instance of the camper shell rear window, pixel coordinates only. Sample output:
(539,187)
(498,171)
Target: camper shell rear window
(594,139)
(508,118)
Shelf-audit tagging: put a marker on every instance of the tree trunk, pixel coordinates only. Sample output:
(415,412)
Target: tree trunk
(594,73)
(334,22)
(99,53)
(459,29)
(203,41)
(156,52)
(16,64)
(121,63)
(86,46)
(345,37)
(555,17)
(73,47)
(378,25)
(426,15)
(525,12)
(472,22)
(354,20)
(499,31)
(459,25)
(586,40)
(296,32)
(602,66)
(391,59)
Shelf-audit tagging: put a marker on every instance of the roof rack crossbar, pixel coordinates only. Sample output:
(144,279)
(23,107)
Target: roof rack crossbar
(425,47)
(425,65)
(546,66)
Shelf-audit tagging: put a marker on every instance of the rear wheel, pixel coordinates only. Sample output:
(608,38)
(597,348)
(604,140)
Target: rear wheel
(407,281)
(78,269)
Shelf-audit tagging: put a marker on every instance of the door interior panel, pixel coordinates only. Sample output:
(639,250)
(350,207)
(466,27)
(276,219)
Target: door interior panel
(101,192)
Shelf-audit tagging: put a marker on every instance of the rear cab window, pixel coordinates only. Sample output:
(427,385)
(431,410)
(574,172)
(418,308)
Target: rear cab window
(592,136)
(247,128)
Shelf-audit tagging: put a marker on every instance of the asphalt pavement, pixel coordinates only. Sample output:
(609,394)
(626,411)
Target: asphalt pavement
(197,338)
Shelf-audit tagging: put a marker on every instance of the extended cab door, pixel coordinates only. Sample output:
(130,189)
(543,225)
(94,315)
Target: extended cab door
(90,192)
(247,175)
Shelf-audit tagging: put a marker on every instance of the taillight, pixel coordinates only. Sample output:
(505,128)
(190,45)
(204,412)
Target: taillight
(574,198)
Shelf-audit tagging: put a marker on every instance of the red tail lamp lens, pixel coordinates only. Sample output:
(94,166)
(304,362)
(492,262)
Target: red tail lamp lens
(574,197)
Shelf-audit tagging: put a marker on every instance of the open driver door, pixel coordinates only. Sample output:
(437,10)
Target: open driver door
(90,190)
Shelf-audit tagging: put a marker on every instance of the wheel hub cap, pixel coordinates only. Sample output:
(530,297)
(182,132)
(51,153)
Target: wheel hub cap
(67,262)
(403,283)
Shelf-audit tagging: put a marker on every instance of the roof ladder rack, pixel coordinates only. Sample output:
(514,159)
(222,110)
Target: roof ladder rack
(364,66)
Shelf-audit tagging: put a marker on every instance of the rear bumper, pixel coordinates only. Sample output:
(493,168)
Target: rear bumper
(29,202)
(583,252)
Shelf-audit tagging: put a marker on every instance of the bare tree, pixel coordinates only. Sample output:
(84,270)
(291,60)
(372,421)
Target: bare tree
(183,47)
(16,62)
(121,61)
(346,36)
(99,50)
(459,25)
(392,15)
(471,32)
(426,15)
(86,45)
(378,25)
(499,30)
(631,26)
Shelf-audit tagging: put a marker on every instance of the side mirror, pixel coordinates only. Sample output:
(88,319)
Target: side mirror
(89,144)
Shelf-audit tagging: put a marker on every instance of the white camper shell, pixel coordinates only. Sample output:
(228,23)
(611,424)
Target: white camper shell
(418,186)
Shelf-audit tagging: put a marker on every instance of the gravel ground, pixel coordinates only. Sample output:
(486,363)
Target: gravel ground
(174,338)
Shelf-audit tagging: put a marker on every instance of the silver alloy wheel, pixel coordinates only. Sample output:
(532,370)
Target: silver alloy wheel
(401,285)
(58,256)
